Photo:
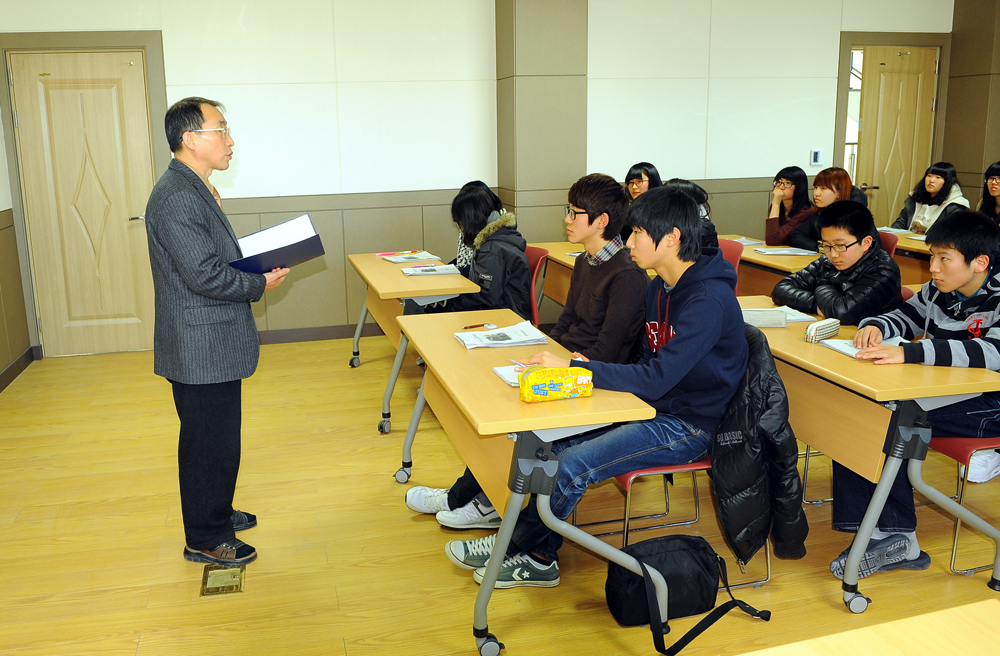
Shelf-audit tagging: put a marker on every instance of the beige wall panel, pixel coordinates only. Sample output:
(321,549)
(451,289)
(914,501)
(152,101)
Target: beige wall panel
(551,117)
(506,136)
(6,216)
(551,37)
(741,213)
(440,232)
(543,223)
(12,298)
(244,224)
(315,293)
(992,125)
(504,10)
(372,231)
(968,112)
(973,37)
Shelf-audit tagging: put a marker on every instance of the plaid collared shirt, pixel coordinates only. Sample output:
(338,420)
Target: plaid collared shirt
(605,253)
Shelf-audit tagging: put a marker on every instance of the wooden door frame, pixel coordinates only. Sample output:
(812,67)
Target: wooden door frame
(853,40)
(150,42)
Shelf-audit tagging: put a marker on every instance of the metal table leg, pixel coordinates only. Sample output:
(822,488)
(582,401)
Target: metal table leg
(356,359)
(403,473)
(385,425)
(533,469)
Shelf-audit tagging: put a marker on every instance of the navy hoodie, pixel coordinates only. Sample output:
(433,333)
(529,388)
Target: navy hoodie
(694,375)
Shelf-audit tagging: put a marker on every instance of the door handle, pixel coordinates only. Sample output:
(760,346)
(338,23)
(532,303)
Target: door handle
(865,186)
(141,217)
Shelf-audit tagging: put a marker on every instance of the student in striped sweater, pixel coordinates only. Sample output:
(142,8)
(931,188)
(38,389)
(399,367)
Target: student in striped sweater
(958,314)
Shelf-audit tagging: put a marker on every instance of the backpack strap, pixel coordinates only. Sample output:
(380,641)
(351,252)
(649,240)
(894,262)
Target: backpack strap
(659,629)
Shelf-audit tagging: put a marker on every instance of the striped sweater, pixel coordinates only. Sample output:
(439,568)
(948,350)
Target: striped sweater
(960,332)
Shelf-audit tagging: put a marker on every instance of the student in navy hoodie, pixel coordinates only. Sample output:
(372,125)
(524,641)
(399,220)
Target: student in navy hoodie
(692,361)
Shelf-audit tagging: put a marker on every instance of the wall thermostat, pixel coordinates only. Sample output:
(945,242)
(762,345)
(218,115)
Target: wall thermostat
(815,158)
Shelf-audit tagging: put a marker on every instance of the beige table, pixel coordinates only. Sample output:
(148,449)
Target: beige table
(913,258)
(970,629)
(759,273)
(390,294)
(868,418)
(505,442)
(559,268)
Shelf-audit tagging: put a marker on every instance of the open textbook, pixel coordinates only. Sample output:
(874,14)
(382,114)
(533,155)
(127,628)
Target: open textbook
(414,256)
(427,270)
(520,334)
(285,245)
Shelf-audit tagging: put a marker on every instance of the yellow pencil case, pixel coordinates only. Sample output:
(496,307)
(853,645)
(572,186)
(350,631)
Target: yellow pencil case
(554,383)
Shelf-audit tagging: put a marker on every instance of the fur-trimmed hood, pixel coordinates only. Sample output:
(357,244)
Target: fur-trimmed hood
(506,220)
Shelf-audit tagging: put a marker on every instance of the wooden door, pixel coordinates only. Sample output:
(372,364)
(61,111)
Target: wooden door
(898,87)
(84,156)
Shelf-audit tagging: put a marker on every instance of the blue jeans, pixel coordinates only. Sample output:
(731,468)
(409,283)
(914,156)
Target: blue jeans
(978,417)
(597,456)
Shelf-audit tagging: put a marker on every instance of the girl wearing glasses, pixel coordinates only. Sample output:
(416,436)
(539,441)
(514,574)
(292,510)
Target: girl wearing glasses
(991,190)
(790,206)
(936,195)
(853,279)
(640,178)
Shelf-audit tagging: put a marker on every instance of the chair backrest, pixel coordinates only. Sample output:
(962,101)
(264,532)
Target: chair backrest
(732,251)
(889,242)
(906,291)
(536,262)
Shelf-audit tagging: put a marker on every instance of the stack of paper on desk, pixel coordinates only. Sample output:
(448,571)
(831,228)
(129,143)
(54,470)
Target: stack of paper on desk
(430,270)
(521,334)
(893,231)
(846,346)
(746,241)
(784,251)
(418,256)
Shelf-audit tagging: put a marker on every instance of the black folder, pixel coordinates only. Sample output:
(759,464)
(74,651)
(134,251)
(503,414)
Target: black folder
(292,245)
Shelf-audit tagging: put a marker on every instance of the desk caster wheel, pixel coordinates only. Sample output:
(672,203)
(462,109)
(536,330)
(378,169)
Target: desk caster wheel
(384,426)
(402,475)
(491,646)
(858,603)
(355,362)
(420,362)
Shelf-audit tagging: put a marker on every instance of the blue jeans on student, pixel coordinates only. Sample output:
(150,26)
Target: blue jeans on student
(978,417)
(597,456)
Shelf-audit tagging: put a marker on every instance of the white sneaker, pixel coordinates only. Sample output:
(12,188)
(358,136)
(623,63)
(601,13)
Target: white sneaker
(471,515)
(429,500)
(983,466)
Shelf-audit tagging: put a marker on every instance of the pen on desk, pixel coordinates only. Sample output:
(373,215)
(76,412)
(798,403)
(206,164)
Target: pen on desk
(475,325)
(395,253)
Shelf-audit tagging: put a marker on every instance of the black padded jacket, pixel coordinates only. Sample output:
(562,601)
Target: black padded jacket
(869,288)
(754,454)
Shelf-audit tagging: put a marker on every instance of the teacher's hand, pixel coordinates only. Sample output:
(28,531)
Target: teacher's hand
(275,277)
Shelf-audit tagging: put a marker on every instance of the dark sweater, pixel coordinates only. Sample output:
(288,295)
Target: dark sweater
(695,373)
(778,231)
(603,314)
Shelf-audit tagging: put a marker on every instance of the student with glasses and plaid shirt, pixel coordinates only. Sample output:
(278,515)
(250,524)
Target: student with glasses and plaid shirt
(853,279)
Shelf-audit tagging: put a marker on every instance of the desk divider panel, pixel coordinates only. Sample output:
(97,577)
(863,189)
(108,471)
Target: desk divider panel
(385,312)
(836,421)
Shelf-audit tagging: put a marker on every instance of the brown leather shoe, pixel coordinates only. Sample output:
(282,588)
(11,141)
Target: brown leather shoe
(232,553)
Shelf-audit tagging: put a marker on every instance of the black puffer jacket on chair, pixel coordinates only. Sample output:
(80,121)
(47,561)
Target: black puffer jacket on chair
(755,480)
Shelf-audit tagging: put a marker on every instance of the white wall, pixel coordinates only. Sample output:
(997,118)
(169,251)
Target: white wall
(323,96)
(725,88)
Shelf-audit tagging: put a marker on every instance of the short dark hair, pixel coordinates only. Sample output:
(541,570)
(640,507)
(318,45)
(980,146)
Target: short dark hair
(695,191)
(660,210)
(635,173)
(970,233)
(186,116)
(947,171)
(598,194)
(800,197)
(853,217)
(988,204)
(472,208)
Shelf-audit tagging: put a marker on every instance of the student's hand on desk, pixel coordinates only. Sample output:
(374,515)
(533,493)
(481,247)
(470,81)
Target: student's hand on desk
(882,354)
(545,359)
(575,355)
(275,277)
(867,336)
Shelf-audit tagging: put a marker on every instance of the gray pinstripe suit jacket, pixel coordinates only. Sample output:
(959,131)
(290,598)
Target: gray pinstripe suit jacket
(204,330)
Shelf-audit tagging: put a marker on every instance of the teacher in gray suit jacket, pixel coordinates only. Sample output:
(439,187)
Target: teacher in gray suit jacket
(204,339)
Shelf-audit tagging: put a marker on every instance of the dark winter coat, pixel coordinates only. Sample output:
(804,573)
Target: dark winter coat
(754,454)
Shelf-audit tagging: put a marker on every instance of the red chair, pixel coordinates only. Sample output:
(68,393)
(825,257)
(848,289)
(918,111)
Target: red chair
(732,251)
(961,449)
(907,293)
(537,258)
(889,242)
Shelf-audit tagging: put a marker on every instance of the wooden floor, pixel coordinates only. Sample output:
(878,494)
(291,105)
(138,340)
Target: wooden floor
(91,538)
